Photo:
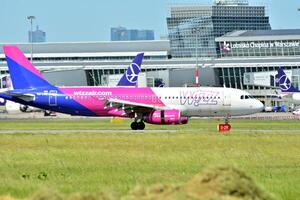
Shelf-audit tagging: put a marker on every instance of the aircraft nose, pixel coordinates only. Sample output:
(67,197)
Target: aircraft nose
(259,106)
(256,106)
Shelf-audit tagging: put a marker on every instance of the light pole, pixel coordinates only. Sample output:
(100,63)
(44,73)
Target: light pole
(196,31)
(31,18)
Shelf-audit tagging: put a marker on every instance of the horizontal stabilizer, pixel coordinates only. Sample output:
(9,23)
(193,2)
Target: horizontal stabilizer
(19,95)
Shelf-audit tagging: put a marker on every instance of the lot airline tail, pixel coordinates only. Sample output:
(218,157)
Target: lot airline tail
(284,82)
(130,77)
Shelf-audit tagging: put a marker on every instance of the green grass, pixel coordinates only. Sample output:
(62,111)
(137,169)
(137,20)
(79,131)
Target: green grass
(95,162)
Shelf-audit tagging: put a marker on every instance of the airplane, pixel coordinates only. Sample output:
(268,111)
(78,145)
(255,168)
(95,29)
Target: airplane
(130,79)
(287,87)
(164,106)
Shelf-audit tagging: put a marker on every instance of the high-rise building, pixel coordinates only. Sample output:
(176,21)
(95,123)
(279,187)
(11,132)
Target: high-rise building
(191,26)
(123,34)
(37,35)
(118,34)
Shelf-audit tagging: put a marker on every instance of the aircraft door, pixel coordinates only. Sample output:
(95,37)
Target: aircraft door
(226,99)
(53,98)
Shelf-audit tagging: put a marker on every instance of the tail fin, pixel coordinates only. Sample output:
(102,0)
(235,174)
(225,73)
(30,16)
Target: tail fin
(23,74)
(284,82)
(130,77)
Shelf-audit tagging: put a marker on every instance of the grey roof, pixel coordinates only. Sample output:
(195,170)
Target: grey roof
(267,32)
(95,47)
(261,35)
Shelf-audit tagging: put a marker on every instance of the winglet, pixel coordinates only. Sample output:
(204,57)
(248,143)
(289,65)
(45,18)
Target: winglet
(284,82)
(130,77)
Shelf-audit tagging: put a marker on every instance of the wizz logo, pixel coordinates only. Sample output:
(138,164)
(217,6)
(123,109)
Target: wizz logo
(198,98)
(132,73)
(284,83)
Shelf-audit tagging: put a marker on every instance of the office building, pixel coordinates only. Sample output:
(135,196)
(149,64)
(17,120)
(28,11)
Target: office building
(37,35)
(123,34)
(194,28)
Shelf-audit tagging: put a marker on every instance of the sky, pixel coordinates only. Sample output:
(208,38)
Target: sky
(91,20)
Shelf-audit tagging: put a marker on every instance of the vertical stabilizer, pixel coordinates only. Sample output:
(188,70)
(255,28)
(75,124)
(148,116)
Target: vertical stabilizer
(284,82)
(130,77)
(23,74)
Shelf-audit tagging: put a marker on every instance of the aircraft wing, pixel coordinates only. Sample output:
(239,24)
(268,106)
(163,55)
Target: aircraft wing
(129,106)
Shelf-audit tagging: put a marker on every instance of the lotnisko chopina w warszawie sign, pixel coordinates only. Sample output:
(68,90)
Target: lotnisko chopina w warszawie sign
(272,44)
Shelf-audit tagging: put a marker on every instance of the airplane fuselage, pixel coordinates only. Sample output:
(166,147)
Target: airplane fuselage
(92,101)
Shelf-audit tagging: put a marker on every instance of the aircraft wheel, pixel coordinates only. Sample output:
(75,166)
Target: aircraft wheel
(23,108)
(47,113)
(141,125)
(134,126)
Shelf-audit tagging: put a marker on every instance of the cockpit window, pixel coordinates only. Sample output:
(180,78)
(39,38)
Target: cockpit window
(247,97)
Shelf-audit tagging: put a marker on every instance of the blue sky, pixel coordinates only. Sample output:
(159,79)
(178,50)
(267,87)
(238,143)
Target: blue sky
(91,20)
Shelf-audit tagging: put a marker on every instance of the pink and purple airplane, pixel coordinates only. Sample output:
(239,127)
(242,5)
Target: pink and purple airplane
(164,106)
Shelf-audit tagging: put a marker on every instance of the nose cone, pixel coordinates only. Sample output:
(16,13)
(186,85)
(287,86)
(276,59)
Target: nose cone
(258,106)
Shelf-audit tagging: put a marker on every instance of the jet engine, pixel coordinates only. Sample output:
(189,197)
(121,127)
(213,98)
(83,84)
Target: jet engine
(166,117)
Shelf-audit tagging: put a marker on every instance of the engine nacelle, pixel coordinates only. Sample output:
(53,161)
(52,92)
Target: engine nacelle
(16,108)
(166,117)
(2,102)
(12,107)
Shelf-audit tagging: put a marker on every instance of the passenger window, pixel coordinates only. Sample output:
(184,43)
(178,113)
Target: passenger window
(242,97)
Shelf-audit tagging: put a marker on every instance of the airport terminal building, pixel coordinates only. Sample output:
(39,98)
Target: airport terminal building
(257,51)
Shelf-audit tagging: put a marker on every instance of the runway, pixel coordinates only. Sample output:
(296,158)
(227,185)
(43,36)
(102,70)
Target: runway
(145,131)
(83,131)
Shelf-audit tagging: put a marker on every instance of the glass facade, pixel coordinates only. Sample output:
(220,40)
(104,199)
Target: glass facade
(233,77)
(98,77)
(187,24)
(185,38)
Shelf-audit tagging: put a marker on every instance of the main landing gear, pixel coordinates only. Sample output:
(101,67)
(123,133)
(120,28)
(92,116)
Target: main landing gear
(226,127)
(137,125)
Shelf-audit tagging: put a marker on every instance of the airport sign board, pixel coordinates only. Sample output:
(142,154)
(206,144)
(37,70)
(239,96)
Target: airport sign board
(270,44)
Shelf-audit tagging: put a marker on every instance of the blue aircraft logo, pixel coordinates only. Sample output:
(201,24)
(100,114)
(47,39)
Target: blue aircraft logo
(132,73)
(284,83)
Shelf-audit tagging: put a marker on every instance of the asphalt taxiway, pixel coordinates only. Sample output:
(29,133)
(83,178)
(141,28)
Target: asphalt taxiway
(83,131)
